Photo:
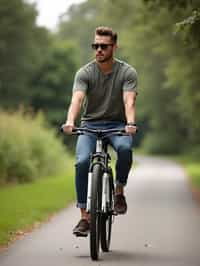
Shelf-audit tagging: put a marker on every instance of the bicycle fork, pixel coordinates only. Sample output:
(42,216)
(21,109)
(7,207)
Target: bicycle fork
(89,192)
(105,192)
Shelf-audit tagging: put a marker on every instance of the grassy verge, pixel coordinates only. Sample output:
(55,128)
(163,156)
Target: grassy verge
(21,206)
(192,168)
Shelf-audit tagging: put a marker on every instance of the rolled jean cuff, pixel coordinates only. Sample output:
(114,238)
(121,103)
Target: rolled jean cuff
(81,205)
(118,183)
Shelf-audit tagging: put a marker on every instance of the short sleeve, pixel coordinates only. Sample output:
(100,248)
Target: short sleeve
(130,80)
(80,80)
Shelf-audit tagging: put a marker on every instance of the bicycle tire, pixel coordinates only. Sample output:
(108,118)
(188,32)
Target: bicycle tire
(95,211)
(106,219)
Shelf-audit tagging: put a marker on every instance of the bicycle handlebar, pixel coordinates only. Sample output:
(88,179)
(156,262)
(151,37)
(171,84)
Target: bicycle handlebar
(97,132)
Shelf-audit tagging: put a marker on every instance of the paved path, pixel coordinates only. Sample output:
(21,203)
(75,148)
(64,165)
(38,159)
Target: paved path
(162,227)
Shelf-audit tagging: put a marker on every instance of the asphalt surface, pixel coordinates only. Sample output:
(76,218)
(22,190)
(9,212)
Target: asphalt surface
(161,227)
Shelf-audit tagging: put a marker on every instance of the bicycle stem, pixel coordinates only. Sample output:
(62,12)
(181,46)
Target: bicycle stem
(99,145)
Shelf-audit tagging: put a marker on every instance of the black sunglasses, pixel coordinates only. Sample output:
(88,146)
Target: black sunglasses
(103,46)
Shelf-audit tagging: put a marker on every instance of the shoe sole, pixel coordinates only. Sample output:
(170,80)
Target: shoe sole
(81,234)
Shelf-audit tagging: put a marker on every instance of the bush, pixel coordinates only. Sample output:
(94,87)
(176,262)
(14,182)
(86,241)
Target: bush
(29,149)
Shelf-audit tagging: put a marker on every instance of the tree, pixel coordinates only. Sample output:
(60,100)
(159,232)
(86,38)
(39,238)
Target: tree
(21,46)
(52,82)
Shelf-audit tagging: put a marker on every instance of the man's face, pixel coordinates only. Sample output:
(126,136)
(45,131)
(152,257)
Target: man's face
(104,48)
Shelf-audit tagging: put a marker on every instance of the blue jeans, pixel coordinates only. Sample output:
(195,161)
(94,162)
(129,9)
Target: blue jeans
(86,144)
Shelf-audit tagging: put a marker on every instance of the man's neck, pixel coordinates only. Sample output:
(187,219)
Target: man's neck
(106,67)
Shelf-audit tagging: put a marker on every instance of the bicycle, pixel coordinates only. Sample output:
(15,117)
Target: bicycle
(100,195)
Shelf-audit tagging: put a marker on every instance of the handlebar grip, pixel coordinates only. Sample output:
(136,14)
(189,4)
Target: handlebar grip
(74,130)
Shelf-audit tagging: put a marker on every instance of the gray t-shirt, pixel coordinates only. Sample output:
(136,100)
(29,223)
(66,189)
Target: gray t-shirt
(104,92)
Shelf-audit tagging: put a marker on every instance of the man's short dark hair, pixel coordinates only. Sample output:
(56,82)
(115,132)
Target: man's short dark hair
(106,31)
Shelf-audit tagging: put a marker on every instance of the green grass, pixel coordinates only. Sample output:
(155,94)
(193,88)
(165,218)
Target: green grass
(23,205)
(192,168)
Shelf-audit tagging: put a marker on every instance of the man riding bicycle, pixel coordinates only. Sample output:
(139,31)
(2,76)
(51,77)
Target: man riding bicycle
(107,89)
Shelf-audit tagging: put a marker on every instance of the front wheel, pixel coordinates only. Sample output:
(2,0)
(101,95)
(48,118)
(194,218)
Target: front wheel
(106,219)
(95,211)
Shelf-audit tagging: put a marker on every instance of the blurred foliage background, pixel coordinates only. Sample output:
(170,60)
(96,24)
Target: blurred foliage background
(161,39)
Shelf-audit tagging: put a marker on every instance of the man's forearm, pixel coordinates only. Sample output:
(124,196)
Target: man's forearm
(130,113)
(129,105)
(73,113)
(75,107)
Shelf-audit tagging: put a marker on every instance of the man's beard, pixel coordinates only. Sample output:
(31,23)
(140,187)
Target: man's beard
(105,59)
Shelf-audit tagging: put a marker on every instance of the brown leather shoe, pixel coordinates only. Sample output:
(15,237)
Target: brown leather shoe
(120,205)
(82,228)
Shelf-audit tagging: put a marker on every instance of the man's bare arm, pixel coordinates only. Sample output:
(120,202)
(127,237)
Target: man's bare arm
(74,110)
(129,98)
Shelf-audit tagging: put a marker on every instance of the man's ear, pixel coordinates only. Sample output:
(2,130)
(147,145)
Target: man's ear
(115,47)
